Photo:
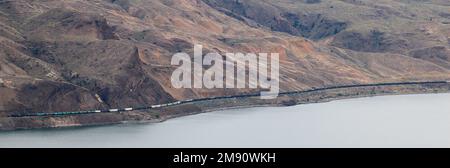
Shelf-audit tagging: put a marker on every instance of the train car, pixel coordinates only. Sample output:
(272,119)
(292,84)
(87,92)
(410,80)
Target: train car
(142,108)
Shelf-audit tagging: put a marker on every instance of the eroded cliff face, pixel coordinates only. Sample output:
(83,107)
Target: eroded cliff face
(279,18)
(78,55)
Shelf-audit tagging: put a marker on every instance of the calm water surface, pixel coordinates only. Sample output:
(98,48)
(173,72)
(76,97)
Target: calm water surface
(386,121)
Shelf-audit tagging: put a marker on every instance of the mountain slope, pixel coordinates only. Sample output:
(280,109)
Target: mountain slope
(74,55)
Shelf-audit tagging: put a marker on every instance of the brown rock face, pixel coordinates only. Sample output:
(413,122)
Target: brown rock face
(313,26)
(79,55)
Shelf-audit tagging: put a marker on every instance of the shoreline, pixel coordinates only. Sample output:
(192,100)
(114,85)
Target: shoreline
(268,105)
(155,121)
(164,114)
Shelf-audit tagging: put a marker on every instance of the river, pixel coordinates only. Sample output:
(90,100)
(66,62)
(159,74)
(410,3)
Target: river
(384,121)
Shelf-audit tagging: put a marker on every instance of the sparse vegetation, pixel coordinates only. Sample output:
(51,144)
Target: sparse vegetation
(58,55)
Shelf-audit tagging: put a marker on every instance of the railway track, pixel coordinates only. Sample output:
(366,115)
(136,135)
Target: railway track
(218,98)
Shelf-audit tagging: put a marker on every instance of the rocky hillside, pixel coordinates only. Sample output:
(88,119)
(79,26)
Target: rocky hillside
(85,54)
